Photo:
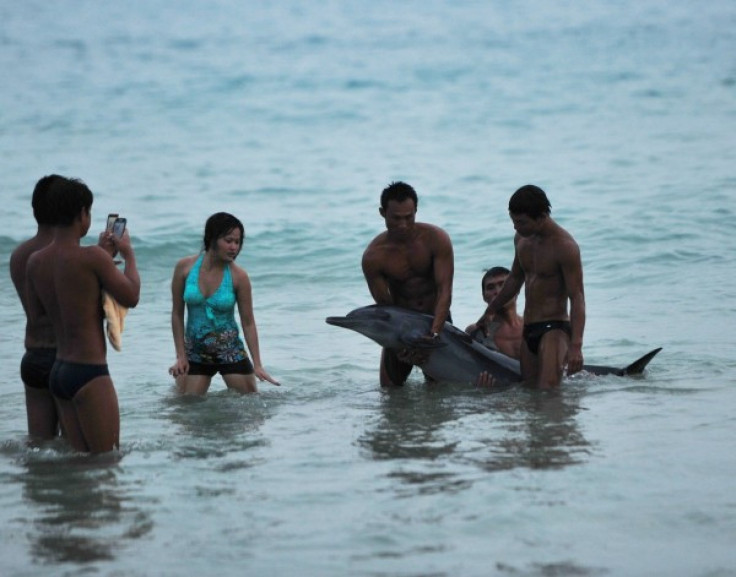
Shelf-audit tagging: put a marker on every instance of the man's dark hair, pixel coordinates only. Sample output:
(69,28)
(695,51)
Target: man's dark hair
(531,201)
(398,191)
(218,225)
(491,272)
(40,201)
(68,196)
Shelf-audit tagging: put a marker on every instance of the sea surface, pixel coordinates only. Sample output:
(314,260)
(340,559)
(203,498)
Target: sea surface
(294,116)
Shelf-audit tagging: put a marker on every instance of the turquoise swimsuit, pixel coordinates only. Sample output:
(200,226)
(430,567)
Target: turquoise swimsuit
(212,333)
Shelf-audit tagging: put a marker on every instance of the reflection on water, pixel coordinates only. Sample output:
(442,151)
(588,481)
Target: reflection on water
(432,431)
(216,424)
(79,510)
(534,429)
(410,422)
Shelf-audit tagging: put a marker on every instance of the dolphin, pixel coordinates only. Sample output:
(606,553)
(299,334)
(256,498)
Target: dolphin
(455,357)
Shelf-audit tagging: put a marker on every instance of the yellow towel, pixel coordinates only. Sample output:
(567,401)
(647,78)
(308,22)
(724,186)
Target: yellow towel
(115,316)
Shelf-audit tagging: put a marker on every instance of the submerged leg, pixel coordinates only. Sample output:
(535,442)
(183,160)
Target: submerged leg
(241,383)
(98,415)
(551,359)
(43,419)
(393,371)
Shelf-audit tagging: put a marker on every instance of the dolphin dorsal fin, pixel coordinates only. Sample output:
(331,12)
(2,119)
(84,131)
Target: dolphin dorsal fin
(638,366)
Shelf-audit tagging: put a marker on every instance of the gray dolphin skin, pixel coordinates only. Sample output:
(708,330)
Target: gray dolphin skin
(455,357)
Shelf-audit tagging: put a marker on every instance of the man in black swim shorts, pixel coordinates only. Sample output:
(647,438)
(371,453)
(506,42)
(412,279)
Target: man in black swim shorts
(70,296)
(547,263)
(40,342)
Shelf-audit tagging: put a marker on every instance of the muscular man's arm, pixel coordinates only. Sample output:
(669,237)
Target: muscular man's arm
(377,283)
(444,271)
(510,288)
(125,286)
(572,272)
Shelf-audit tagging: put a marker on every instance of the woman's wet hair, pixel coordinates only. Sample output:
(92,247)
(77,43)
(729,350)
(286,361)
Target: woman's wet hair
(219,225)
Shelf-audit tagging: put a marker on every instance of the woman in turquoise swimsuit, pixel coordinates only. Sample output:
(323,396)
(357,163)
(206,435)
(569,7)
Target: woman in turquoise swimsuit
(209,285)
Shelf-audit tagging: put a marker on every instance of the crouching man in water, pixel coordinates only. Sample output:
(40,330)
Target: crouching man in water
(547,262)
(500,331)
(65,281)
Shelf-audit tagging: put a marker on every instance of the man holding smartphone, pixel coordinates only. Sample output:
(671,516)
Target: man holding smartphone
(65,281)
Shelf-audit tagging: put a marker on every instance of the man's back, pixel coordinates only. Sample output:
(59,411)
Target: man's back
(68,286)
(39,329)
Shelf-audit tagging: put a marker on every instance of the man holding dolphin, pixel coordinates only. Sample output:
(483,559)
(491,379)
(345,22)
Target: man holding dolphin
(410,265)
(547,263)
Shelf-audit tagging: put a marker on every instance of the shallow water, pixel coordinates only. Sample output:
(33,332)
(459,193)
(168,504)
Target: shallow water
(294,117)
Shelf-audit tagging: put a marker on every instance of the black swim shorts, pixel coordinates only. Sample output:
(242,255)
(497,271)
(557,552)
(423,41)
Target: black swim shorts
(244,367)
(533,332)
(35,367)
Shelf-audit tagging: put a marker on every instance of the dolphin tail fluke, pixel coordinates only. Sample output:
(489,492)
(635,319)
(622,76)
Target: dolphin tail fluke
(638,366)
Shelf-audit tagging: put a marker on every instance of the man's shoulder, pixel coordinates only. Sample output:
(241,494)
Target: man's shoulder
(21,253)
(565,242)
(561,234)
(26,248)
(378,243)
(435,235)
(430,228)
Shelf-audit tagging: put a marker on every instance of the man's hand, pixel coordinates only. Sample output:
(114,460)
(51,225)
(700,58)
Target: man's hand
(105,241)
(485,380)
(574,359)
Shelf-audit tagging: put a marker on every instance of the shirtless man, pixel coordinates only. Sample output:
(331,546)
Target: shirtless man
(65,281)
(409,265)
(40,344)
(547,262)
(500,331)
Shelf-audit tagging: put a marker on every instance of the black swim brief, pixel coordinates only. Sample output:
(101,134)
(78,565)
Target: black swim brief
(244,367)
(533,332)
(35,367)
(68,378)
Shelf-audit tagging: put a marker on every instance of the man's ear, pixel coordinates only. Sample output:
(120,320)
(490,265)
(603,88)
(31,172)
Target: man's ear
(382,211)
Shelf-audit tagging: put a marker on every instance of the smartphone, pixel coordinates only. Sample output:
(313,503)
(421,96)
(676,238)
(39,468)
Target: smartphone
(111,221)
(118,226)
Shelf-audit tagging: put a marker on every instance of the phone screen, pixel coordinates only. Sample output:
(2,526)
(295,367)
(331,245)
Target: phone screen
(119,227)
(111,220)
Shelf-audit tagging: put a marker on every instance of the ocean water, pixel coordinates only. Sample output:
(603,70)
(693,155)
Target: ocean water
(294,116)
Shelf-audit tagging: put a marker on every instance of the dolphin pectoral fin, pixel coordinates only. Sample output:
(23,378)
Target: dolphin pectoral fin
(638,366)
